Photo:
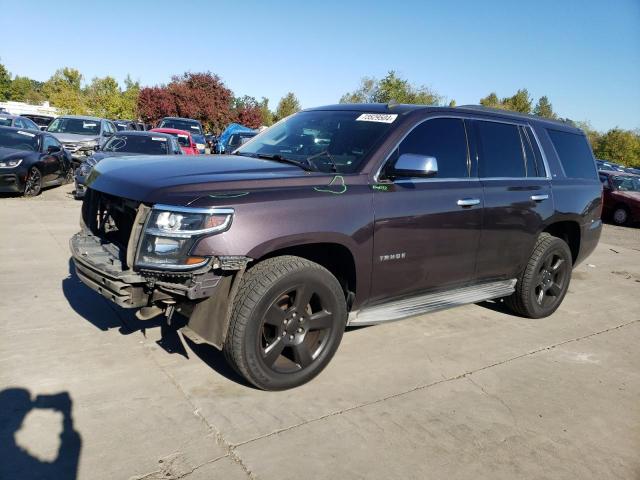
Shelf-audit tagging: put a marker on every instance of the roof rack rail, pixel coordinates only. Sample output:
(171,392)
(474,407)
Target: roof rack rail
(502,111)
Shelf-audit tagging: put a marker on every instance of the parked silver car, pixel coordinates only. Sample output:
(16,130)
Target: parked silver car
(81,136)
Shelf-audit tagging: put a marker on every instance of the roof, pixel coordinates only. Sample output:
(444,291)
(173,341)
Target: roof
(144,133)
(38,133)
(180,118)
(173,131)
(83,117)
(8,115)
(402,109)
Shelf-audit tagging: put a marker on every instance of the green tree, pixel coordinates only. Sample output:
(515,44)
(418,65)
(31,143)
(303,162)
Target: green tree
(520,102)
(24,89)
(129,103)
(64,91)
(5,83)
(288,105)
(391,89)
(104,98)
(620,146)
(544,108)
(491,101)
(266,114)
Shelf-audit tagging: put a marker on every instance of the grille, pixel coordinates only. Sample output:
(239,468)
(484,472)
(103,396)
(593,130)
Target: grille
(72,147)
(110,218)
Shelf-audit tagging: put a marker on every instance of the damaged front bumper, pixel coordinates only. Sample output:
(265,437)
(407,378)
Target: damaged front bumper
(103,268)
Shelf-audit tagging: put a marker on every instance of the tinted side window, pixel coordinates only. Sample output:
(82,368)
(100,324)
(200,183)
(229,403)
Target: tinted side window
(18,123)
(501,150)
(49,142)
(443,138)
(575,154)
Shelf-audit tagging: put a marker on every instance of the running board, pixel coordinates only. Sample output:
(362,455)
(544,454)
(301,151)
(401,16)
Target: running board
(431,302)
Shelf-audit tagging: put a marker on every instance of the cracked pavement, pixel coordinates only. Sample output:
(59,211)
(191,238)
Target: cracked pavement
(472,392)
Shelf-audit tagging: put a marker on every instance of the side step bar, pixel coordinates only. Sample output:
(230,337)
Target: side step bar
(430,302)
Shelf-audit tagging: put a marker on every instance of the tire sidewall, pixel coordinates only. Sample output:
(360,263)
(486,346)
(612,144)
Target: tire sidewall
(626,216)
(562,249)
(39,182)
(319,279)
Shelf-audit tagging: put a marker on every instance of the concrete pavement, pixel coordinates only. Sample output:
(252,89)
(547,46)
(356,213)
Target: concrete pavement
(472,392)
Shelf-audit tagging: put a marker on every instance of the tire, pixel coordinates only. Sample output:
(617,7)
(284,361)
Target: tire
(33,183)
(544,281)
(620,215)
(287,321)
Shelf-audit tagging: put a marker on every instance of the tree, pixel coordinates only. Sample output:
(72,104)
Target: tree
(155,103)
(391,89)
(103,97)
(63,91)
(248,111)
(620,146)
(520,102)
(5,83)
(129,106)
(491,101)
(288,105)
(544,108)
(265,113)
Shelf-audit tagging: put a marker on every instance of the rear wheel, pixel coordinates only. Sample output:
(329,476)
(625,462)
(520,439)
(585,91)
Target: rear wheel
(287,322)
(544,282)
(33,183)
(620,215)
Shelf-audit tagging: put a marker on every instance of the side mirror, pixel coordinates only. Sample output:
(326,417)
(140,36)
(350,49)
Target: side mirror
(413,165)
(53,149)
(107,134)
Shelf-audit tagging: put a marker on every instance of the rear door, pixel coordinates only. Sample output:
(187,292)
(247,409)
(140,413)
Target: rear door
(424,239)
(517,196)
(52,162)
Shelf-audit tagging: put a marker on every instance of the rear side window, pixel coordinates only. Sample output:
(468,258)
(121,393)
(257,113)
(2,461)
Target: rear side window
(443,138)
(574,153)
(502,150)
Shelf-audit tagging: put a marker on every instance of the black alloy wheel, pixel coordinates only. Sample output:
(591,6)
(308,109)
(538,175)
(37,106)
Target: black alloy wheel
(287,321)
(33,183)
(544,282)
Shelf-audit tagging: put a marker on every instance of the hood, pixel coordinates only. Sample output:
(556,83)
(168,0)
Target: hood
(12,153)
(75,138)
(630,196)
(179,180)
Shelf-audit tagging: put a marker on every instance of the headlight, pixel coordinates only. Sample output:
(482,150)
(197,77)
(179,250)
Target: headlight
(88,148)
(171,232)
(10,163)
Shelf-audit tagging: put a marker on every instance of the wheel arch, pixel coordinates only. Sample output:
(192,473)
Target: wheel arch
(569,231)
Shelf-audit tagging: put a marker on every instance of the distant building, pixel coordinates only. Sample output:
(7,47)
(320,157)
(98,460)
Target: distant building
(21,108)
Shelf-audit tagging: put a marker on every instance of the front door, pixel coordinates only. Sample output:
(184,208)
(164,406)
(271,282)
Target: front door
(424,239)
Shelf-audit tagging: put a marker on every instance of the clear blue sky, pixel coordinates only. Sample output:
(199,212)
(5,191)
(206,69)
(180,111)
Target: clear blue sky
(584,55)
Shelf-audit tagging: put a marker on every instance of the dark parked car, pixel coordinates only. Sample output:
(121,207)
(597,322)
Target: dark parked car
(17,121)
(30,161)
(605,166)
(621,197)
(342,215)
(188,124)
(126,125)
(80,135)
(42,121)
(127,143)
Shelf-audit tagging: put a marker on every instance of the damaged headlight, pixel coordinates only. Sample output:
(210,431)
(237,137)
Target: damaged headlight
(171,232)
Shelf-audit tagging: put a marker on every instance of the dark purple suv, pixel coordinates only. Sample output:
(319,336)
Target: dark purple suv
(342,215)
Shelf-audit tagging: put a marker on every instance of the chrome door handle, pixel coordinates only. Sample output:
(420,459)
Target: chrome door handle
(468,202)
(539,198)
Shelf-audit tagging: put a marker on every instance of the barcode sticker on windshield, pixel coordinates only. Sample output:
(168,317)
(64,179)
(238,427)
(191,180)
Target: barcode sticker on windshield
(159,139)
(195,127)
(26,133)
(377,117)
(87,125)
(182,135)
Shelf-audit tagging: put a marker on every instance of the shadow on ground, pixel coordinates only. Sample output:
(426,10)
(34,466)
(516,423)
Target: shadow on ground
(15,460)
(105,315)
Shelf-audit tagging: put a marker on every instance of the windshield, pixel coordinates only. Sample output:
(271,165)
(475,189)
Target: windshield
(5,122)
(198,138)
(78,126)
(122,126)
(19,140)
(626,184)
(149,145)
(329,140)
(189,126)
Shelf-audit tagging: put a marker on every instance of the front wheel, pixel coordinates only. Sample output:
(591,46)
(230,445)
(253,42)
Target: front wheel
(620,216)
(33,183)
(544,281)
(287,322)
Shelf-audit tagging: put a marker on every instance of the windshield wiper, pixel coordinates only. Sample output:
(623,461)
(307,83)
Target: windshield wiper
(334,166)
(279,158)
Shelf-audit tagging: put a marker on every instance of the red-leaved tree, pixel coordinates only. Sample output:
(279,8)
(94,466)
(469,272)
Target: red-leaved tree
(248,112)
